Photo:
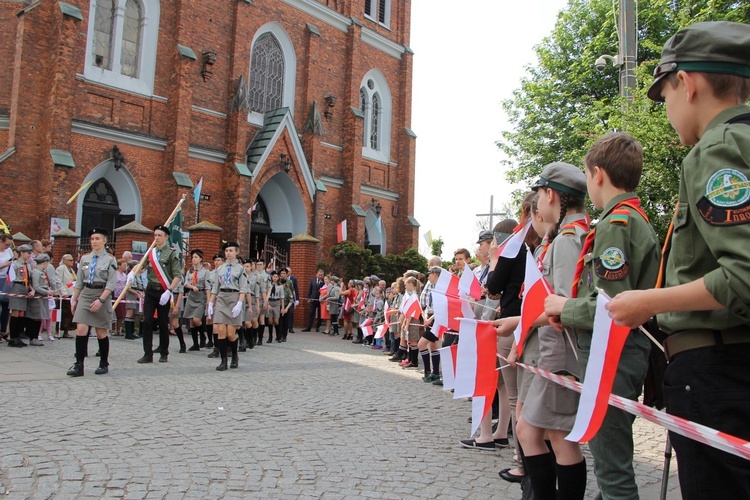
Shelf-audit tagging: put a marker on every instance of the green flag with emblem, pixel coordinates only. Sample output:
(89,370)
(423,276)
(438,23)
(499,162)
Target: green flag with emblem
(175,234)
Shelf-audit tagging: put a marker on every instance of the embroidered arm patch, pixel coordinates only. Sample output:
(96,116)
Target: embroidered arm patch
(619,216)
(611,265)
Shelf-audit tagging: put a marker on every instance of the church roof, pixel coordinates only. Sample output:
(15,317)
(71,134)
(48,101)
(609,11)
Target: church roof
(264,137)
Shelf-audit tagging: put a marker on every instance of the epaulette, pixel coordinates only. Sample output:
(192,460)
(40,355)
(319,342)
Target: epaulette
(619,216)
(568,230)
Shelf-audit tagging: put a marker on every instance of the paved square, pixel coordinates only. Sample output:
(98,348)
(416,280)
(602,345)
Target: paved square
(316,417)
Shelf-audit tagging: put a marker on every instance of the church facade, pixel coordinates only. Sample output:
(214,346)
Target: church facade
(295,113)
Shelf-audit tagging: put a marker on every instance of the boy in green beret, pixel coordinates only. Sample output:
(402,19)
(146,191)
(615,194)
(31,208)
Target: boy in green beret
(702,299)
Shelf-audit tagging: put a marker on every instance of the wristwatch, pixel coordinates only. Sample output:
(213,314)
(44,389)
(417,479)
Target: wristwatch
(100,300)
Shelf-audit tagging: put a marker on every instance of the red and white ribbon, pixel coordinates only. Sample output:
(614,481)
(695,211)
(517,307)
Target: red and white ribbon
(706,435)
(156,266)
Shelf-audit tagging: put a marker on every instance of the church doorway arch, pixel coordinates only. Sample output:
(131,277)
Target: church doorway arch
(112,200)
(279,215)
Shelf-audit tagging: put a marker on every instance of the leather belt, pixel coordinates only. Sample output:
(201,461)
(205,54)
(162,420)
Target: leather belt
(158,288)
(495,297)
(228,290)
(687,340)
(19,282)
(95,287)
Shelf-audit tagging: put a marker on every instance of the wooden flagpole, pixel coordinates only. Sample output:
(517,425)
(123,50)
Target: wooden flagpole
(137,269)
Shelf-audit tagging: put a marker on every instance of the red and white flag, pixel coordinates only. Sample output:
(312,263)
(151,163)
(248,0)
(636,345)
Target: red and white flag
(387,314)
(381,331)
(366,327)
(469,285)
(535,290)
(447,303)
(341,231)
(606,347)
(448,362)
(410,307)
(476,359)
(511,246)
(11,273)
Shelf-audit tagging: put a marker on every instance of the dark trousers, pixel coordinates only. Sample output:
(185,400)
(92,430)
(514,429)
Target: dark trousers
(66,321)
(711,386)
(151,304)
(290,319)
(314,313)
(4,315)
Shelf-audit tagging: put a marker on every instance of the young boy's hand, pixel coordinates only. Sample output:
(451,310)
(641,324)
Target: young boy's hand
(553,305)
(631,308)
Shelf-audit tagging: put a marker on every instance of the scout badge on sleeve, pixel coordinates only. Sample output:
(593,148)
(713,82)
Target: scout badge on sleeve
(611,265)
(727,199)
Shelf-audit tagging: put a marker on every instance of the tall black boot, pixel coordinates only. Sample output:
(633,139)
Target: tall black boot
(210,335)
(241,339)
(181,338)
(277,327)
(259,335)
(194,335)
(130,329)
(82,348)
(335,328)
(270,332)
(359,337)
(16,330)
(104,356)
(235,357)
(202,332)
(541,470)
(571,480)
(222,346)
(250,337)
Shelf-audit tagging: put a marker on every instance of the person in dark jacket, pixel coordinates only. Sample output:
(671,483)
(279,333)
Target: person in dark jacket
(313,295)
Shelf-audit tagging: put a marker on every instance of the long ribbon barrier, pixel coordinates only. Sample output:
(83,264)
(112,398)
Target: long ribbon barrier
(23,296)
(706,435)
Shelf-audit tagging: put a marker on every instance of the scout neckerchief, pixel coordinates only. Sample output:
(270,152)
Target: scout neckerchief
(228,275)
(92,269)
(25,274)
(195,277)
(618,214)
(153,259)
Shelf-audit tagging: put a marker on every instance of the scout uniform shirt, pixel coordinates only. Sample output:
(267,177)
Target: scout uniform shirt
(104,274)
(170,264)
(712,220)
(196,278)
(230,276)
(625,256)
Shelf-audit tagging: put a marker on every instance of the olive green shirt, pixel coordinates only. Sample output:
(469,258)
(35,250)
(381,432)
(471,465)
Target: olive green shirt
(625,256)
(170,264)
(712,226)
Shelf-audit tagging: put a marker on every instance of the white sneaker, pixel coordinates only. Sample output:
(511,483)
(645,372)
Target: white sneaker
(36,342)
(52,338)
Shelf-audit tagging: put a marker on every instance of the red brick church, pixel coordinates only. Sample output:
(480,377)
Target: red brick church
(299,108)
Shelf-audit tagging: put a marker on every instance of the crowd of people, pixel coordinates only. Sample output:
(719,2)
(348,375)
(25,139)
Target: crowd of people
(697,288)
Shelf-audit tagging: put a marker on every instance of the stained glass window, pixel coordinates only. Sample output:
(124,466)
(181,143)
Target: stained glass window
(104,19)
(375,125)
(131,39)
(266,85)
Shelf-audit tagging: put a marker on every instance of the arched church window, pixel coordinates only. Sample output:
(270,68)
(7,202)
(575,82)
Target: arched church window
(131,39)
(104,21)
(266,85)
(376,95)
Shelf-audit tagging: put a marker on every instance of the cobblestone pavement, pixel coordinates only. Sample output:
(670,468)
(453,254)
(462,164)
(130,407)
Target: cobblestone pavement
(314,417)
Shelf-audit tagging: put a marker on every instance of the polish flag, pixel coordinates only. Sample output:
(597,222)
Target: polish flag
(606,346)
(387,313)
(476,359)
(447,303)
(11,273)
(54,315)
(511,246)
(381,331)
(535,290)
(439,331)
(448,362)
(366,327)
(410,307)
(341,231)
(469,285)
(347,303)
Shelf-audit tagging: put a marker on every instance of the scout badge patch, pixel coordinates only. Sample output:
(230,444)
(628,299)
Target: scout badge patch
(611,264)
(727,199)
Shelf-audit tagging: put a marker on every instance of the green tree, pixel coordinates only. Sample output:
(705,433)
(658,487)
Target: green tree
(564,104)
(437,247)
(353,262)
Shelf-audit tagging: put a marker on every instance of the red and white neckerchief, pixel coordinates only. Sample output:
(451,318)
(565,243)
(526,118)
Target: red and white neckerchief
(158,271)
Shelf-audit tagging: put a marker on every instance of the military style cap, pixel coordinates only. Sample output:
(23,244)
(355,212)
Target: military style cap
(98,230)
(25,248)
(230,244)
(438,270)
(219,256)
(563,177)
(196,251)
(42,257)
(162,228)
(335,279)
(484,236)
(709,47)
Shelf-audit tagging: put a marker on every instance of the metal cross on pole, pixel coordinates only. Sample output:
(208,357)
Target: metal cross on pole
(492,212)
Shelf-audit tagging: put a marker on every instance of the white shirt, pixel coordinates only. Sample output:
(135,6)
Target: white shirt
(5,256)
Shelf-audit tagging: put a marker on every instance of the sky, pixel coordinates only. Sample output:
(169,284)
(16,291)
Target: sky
(467,61)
